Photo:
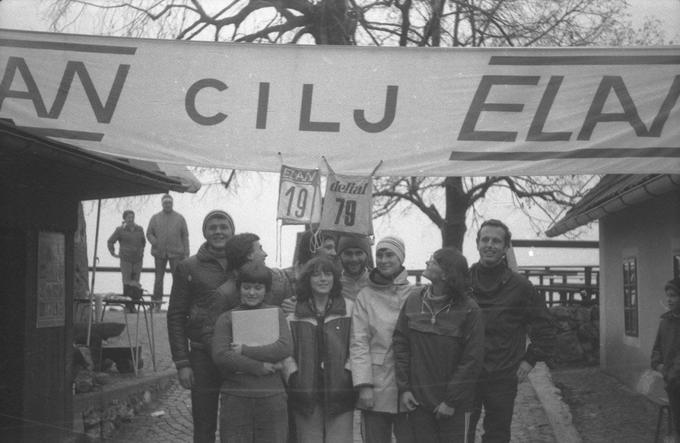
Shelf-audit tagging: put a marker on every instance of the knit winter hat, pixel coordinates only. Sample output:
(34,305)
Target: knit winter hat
(218,213)
(673,285)
(166,197)
(394,244)
(354,241)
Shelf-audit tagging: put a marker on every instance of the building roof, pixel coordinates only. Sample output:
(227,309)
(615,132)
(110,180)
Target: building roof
(612,194)
(29,160)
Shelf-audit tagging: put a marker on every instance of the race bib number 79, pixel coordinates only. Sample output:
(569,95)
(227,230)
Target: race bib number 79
(347,204)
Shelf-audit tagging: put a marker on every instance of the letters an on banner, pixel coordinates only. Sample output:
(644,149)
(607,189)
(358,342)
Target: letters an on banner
(299,196)
(347,204)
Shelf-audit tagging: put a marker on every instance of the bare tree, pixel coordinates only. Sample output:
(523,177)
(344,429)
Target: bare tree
(452,23)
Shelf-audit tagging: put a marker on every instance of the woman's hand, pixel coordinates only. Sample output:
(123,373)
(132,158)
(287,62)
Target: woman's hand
(408,401)
(443,411)
(365,397)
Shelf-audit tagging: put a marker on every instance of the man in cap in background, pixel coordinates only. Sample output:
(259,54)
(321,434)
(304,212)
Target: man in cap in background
(169,238)
(195,303)
(355,255)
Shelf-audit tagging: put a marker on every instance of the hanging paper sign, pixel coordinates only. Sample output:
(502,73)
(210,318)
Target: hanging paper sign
(347,204)
(299,196)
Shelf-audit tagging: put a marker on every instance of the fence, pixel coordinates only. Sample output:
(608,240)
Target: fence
(559,285)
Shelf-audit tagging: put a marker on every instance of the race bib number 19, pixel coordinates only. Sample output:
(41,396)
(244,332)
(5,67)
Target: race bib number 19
(299,196)
(347,204)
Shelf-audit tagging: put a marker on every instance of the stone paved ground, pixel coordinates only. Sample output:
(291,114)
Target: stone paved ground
(603,409)
(530,423)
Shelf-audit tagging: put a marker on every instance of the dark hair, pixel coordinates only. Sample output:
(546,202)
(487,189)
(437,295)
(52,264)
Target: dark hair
(305,251)
(126,212)
(254,272)
(455,267)
(318,264)
(496,224)
(238,247)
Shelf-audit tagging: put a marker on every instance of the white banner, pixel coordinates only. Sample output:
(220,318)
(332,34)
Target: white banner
(425,112)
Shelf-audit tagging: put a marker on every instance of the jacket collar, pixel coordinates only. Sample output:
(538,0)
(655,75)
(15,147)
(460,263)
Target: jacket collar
(378,281)
(338,307)
(206,255)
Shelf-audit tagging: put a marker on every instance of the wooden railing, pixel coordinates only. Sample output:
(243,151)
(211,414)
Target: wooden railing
(559,285)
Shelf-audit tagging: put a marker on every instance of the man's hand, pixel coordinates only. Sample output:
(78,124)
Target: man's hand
(237,347)
(523,371)
(443,411)
(365,397)
(408,401)
(288,305)
(659,368)
(186,377)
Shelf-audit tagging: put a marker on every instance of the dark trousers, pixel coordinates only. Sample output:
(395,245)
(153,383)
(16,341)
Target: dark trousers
(205,395)
(430,429)
(160,263)
(496,394)
(254,420)
(377,427)
(673,391)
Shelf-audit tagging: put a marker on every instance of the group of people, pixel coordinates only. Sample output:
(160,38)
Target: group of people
(419,362)
(169,237)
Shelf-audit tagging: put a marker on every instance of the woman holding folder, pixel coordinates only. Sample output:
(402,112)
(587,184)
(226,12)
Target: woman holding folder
(248,346)
(321,395)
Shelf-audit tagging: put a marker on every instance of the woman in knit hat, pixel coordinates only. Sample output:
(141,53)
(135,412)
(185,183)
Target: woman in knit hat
(666,350)
(439,350)
(375,315)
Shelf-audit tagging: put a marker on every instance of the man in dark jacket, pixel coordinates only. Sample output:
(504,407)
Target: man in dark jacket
(194,300)
(511,309)
(666,350)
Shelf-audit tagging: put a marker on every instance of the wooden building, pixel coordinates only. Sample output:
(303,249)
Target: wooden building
(42,182)
(639,231)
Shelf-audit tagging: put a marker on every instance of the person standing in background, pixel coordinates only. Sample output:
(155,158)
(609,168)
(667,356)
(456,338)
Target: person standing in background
(131,243)
(169,238)
(666,350)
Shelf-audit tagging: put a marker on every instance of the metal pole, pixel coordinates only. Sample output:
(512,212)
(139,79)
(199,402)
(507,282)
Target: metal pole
(95,260)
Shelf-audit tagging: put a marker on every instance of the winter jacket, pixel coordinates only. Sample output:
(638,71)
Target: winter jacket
(243,374)
(373,320)
(320,375)
(195,302)
(511,310)
(667,346)
(168,235)
(439,357)
(131,243)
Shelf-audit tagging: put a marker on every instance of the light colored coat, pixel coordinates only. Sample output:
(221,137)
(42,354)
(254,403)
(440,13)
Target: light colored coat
(374,318)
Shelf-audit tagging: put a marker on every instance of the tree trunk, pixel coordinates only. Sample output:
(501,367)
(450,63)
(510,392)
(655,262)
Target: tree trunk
(453,231)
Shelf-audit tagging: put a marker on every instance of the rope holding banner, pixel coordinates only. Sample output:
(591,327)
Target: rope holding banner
(330,170)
